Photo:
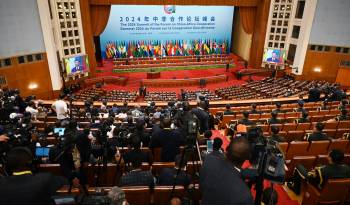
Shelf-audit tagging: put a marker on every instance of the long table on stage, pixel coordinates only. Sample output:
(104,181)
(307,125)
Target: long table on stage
(153,75)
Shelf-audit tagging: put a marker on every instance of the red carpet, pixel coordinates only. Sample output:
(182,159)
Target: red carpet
(283,198)
(134,79)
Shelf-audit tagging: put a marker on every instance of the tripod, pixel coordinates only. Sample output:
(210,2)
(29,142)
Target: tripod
(189,152)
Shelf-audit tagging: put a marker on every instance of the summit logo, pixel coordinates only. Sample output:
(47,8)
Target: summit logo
(169,9)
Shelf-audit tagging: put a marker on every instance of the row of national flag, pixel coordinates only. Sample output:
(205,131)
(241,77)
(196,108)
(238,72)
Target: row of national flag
(124,49)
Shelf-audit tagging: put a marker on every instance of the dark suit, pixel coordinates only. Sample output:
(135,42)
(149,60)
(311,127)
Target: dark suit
(277,138)
(166,177)
(221,183)
(76,69)
(203,118)
(322,174)
(254,112)
(170,142)
(317,136)
(278,110)
(245,121)
(275,60)
(314,95)
(272,121)
(29,189)
(133,155)
(229,112)
(303,120)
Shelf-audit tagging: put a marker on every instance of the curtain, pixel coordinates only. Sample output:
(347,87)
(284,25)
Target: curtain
(99,15)
(247,16)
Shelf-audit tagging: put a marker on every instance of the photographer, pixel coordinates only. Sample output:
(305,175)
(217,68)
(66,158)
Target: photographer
(24,187)
(73,154)
(169,140)
(215,168)
(203,116)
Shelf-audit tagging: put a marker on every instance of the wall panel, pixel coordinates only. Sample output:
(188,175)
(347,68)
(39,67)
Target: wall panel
(22,75)
(328,62)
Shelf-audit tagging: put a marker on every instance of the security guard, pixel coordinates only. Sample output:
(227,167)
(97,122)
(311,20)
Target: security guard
(273,119)
(304,118)
(336,169)
(343,115)
(317,135)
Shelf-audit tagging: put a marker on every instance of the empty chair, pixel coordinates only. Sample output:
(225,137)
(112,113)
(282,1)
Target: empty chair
(289,127)
(330,132)
(162,194)
(331,125)
(339,144)
(318,147)
(317,118)
(297,135)
(334,191)
(303,126)
(283,146)
(341,132)
(140,195)
(344,124)
(297,149)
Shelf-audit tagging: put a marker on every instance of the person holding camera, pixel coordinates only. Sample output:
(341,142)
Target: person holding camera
(23,187)
(169,140)
(215,168)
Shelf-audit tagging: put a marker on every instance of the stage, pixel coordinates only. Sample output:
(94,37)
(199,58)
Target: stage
(135,78)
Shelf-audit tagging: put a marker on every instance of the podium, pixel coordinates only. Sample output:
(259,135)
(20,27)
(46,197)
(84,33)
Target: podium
(153,75)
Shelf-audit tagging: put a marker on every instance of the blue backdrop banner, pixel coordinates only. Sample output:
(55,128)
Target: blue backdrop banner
(151,31)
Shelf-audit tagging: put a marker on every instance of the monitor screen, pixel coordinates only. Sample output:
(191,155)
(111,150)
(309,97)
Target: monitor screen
(59,131)
(77,64)
(42,152)
(274,56)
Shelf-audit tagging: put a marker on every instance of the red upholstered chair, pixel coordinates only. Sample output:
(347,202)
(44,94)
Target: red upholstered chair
(330,132)
(289,127)
(140,195)
(297,135)
(339,144)
(317,118)
(306,161)
(303,126)
(340,133)
(331,125)
(335,191)
(297,149)
(280,126)
(344,124)
(283,146)
(321,160)
(318,147)
(162,194)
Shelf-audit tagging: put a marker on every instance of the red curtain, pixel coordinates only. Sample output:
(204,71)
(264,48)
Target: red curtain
(247,16)
(99,15)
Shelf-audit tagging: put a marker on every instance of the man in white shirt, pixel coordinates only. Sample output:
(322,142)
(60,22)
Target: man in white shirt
(60,107)
(32,110)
